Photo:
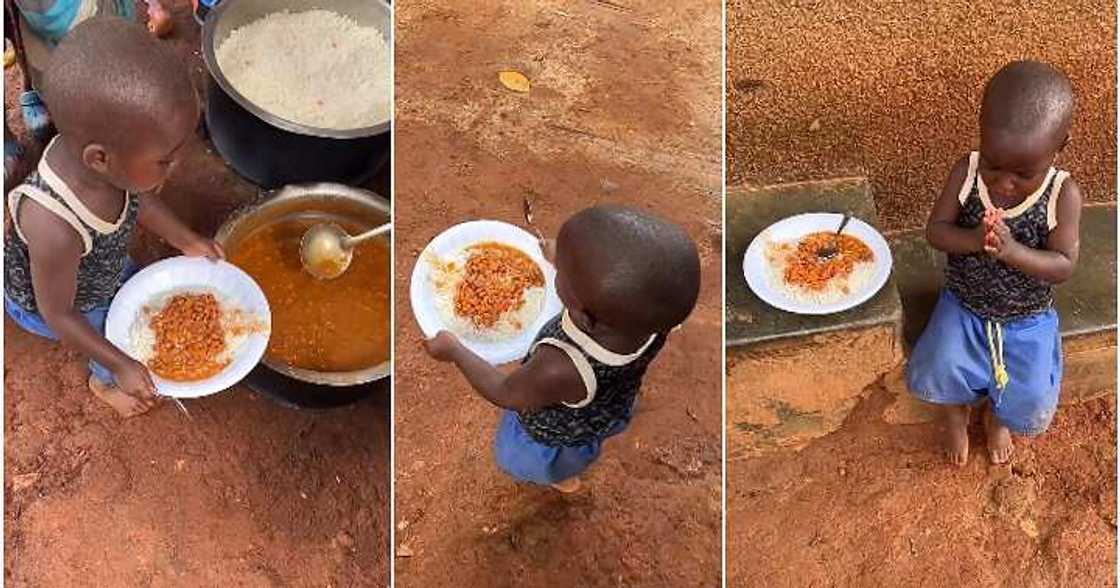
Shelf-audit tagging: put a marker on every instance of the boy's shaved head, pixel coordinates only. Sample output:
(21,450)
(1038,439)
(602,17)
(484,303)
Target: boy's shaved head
(109,79)
(633,270)
(1029,98)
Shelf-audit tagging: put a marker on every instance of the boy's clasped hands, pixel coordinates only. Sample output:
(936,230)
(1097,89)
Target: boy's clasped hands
(998,240)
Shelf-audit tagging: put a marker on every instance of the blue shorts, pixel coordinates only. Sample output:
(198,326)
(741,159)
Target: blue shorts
(35,324)
(952,364)
(528,460)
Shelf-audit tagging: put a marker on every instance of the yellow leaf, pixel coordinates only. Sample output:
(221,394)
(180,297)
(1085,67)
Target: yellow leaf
(514,80)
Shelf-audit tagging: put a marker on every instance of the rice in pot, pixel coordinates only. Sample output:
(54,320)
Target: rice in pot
(316,68)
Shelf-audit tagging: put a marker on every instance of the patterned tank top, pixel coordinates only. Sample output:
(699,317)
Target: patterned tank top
(988,287)
(105,244)
(612,382)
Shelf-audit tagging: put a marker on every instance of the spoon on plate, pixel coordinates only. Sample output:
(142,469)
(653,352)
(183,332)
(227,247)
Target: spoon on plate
(833,248)
(326,250)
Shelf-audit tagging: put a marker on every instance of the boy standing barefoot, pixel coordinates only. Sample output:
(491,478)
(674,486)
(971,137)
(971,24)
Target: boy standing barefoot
(1009,222)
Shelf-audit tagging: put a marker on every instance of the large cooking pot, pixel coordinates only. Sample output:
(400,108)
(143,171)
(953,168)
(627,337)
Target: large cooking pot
(271,151)
(315,200)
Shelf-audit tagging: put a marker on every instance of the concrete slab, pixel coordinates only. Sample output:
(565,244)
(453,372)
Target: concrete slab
(750,210)
(794,378)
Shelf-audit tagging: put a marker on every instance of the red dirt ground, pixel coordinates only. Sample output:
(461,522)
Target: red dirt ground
(248,493)
(875,505)
(891,89)
(625,108)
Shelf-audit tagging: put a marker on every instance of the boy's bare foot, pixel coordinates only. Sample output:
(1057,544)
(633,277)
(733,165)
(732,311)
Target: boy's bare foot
(125,405)
(159,19)
(956,433)
(568,486)
(1000,447)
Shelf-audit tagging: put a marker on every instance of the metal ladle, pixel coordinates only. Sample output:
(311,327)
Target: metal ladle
(326,249)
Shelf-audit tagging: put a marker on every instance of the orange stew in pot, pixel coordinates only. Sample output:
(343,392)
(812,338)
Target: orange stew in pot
(334,325)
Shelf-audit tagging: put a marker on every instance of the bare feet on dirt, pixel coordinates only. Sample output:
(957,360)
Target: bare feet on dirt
(1000,447)
(956,433)
(568,486)
(159,19)
(125,405)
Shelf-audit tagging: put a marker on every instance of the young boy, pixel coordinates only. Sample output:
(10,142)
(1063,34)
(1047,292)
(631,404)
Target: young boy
(35,27)
(626,279)
(124,107)
(1009,222)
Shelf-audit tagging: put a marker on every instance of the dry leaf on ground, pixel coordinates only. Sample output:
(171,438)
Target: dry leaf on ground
(514,80)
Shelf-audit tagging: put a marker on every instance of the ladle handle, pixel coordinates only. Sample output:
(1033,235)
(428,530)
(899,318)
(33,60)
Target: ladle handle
(366,236)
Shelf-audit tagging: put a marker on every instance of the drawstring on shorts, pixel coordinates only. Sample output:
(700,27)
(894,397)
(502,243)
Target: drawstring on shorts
(995,345)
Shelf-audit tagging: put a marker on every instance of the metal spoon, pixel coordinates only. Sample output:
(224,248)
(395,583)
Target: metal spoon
(826,253)
(326,249)
(528,208)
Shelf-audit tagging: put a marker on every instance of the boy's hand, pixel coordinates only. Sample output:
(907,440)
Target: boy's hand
(443,346)
(135,380)
(999,242)
(992,216)
(985,230)
(202,247)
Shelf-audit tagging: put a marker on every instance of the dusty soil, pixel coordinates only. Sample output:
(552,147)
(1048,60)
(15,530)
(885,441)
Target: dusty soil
(626,108)
(768,403)
(247,493)
(875,505)
(890,89)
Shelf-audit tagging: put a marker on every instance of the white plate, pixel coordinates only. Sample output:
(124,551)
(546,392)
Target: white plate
(755,265)
(423,295)
(180,273)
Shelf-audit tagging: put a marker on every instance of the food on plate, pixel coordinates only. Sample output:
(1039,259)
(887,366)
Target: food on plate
(190,335)
(337,325)
(317,68)
(488,291)
(799,269)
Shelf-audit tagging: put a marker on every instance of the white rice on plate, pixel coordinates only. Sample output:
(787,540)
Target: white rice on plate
(237,324)
(316,68)
(838,289)
(446,274)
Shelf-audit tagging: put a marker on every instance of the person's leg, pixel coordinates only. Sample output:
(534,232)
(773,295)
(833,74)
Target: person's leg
(103,383)
(28,321)
(36,117)
(15,159)
(1032,350)
(526,460)
(34,52)
(947,368)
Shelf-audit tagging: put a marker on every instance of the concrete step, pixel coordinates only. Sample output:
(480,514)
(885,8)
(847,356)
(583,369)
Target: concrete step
(1086,305)
(792,378)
